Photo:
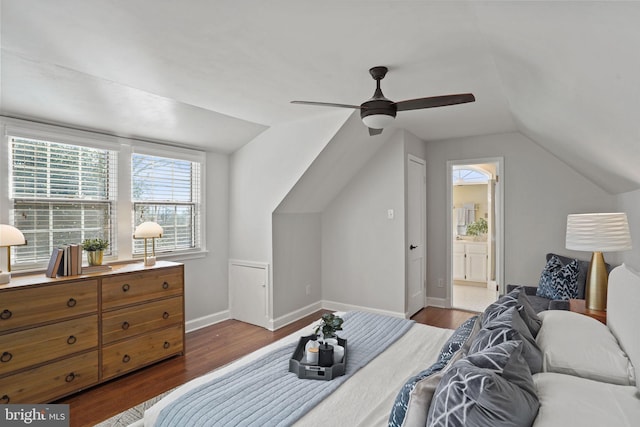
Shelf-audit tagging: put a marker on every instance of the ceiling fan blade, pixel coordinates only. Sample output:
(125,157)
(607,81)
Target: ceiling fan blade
(373,131)
(435,101)
(326,104)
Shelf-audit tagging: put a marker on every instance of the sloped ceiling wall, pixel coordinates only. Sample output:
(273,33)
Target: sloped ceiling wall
(215,74)
(570,76)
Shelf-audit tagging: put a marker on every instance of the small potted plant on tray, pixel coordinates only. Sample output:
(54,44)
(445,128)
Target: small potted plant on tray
(330,323)
(95,250)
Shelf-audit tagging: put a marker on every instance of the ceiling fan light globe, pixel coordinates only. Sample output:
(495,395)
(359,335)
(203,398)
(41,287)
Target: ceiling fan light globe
(378,121)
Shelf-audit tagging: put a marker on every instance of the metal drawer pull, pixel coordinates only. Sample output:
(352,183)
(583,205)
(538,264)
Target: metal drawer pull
(72,302)
(6,357)
(71,340)
(126,358)
(5,399)
(165,315)
(6,314)
(70,377)
(125,287)
(166,344)
(165,285)
(125,325)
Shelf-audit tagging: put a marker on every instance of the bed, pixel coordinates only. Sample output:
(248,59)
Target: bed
(364,399)
(507,366)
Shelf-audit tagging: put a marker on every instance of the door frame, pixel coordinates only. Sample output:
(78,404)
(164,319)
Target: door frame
(499,220)
(423,225)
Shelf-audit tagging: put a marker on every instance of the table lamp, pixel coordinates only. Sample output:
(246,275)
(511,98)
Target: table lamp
(148,230)
(597,233)
(9,236)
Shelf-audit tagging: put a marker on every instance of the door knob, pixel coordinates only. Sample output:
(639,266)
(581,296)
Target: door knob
(412,247)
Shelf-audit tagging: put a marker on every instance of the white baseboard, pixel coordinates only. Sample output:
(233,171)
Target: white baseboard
(293,316)
(438,302)
(338,306)
(273,324)
(208,320)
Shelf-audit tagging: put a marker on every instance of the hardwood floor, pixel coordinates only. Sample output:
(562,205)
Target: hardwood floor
(206,349)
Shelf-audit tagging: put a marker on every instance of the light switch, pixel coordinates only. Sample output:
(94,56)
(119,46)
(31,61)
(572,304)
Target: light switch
(390,214)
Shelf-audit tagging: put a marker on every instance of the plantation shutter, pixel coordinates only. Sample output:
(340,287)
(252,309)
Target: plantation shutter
(167,191)
(61,194)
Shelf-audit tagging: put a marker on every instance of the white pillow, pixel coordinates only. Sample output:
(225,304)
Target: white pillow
(575,344)
(573,401)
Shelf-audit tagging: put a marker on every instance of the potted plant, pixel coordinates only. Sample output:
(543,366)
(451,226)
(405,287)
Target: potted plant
(95,250)
(478,228)
(330,323)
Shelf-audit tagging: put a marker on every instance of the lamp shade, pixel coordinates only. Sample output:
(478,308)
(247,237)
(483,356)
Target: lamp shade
(10,236)
(148,230)
(378,121)
(598,232)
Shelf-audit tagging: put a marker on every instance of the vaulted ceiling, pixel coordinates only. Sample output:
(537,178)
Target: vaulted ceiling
(214,74)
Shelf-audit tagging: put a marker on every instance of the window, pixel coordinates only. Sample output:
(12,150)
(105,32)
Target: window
(167,191)
(60,194)
(61,186)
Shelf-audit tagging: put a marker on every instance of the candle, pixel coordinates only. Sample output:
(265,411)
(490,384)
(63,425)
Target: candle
(312,355)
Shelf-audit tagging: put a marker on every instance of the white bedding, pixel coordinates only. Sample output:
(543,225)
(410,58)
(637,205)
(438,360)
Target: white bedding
(366,398)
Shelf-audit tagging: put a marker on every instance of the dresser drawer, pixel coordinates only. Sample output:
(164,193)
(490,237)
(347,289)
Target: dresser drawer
(30,347)
(43,384)
(141,287)
(23,307)
(128,322)
(140,351)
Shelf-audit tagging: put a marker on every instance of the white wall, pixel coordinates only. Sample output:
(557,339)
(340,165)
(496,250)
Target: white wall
(539,192)
(630,204)
(363,260)
(297,260)
(263,172)
(261,175)
(206,288)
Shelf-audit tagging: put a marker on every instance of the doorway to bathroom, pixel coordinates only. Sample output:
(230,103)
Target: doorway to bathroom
(475,222)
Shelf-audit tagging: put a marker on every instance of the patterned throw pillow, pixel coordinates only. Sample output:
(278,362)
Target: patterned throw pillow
(559,281)
(528,314)
(509,326)
(490,388)
(459,338)
(501,305)
(412,402)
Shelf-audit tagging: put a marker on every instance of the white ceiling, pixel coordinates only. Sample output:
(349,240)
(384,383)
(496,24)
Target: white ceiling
(214,74)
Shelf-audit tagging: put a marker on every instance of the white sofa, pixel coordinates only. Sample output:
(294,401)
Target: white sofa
(588,376)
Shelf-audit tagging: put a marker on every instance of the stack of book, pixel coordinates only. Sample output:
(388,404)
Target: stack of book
(67,261)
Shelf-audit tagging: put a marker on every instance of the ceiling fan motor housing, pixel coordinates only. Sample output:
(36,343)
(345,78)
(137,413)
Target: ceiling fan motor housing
(378,106)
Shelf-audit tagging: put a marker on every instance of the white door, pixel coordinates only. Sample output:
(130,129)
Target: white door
(248,292)
(416,234)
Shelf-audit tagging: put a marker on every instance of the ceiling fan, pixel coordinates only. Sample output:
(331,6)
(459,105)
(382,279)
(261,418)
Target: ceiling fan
(379,112)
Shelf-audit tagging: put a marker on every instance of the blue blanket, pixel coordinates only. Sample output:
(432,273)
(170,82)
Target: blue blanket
(265,393)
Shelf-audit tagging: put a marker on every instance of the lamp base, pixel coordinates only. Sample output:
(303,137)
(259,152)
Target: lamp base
(5,277)
(596,286)
(150,261)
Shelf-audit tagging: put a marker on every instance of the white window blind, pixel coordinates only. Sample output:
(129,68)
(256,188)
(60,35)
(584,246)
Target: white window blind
(61,194)
(167,191)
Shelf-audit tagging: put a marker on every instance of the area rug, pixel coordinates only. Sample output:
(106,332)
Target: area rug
(132,415)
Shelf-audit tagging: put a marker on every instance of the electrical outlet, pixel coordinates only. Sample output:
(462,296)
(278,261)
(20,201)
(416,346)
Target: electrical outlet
(441,283)
(308,289)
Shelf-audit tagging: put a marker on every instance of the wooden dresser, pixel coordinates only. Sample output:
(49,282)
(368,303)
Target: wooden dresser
(58,336)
